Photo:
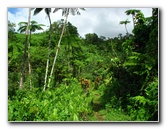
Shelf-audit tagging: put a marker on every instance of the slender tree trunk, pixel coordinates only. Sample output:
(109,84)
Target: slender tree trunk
(68,57)
(57,50)
(126,30)
(46,74)
(22,76)
(29,63)
(68,60)
(133,20)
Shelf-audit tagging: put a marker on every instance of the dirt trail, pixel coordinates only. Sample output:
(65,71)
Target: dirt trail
(98,116)
(97,107)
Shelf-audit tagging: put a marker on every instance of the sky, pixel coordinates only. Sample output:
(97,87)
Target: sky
(102,21)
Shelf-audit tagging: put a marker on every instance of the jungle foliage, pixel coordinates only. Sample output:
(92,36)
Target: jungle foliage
(95,78)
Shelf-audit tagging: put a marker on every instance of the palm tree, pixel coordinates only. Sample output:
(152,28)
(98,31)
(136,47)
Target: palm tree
(32,28)
(65,12)
(47,11)
(24,56)
(125,23)
(132,12)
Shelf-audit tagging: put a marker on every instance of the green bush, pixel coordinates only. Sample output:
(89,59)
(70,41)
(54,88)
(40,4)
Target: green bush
(64,103)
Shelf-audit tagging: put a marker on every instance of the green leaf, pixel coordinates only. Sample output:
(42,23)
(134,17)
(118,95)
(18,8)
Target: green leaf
(75,117)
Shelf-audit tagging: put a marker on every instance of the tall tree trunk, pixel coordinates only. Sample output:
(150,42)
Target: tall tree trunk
(133,16)
(50,36)
(68,60)
(22,76)
(68,57)
(29,63)
(126,30)
(57,50)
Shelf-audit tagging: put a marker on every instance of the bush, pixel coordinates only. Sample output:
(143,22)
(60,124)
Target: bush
(65,103)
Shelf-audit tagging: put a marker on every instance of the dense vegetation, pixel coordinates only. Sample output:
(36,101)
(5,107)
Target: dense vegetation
(94,79)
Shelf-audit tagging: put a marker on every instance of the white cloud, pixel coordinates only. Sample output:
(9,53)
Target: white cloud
(21,15)
(102,21)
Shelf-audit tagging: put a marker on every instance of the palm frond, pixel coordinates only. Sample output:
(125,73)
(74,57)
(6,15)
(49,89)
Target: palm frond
(82,9)
(124,22)
(72,11)
(41,25)
(56,9)
(37,10)
(33,22)
(33,26)
(22,29)
(65,11)
(48,11)
(22,23)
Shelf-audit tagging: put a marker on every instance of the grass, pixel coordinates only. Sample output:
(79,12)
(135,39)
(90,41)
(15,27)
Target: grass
(114,115)
(110,115)
(102,113)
